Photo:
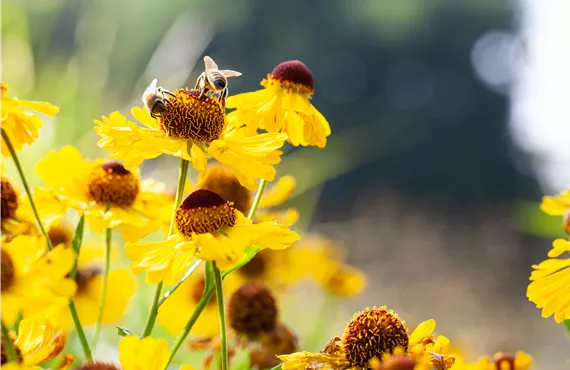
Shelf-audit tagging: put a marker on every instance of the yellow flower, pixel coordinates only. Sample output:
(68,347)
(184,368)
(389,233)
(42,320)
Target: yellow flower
(210,228)
(33,280)
(193,128)
(143,354)
(174,313)
(108,194)
(326,266)
(549,288)
(557,205)
(283,106)
(40,339)
(19,123)
(89,280)
(501,361)
(368,338)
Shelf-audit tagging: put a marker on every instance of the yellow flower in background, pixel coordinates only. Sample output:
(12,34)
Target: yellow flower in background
(325,259)
(221,180)
(500,361)
(210,228)
(40,339)
(33,279)
(108,194)
(19,123)
(147,353)
(174,313)
(556,205)
(549,288)
(283,106)
(89,280)
(194,128)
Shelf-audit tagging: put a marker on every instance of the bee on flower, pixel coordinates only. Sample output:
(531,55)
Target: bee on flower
(210,228)
(192,125)
(283,106)
(19,124)
(107,193)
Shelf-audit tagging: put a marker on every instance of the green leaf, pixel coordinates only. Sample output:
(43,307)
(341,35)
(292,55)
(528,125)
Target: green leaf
(76,244)
(123,331)
(567,325)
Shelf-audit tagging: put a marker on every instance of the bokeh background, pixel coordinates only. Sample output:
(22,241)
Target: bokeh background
(449,122)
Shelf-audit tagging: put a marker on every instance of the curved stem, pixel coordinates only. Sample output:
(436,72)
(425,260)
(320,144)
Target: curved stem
(257,199)
(80,332)
(97,330)
(182,174)
(12,356)
(26,187)
(182,280)
(222,315)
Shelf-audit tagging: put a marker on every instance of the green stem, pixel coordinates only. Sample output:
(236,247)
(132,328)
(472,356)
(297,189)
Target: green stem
(182,280)
(12,356)
(222,315)
(98,323)
(208,293)
(182,174)
(26,187)
(257,199)
(80,332)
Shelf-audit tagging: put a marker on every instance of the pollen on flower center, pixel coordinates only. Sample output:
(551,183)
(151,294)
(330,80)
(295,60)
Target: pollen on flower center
(222,181)
(292,75)
(84,276)
(111,183)
(193,117)
(371,333)
(7,271)
(9,199)
(252,310)
(204,211)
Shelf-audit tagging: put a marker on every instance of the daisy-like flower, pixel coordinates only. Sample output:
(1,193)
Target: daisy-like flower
(558,206)
(173,314)
(136,354)
(500,361)
(18,121)
(110,195)
(283,106)
(549,288)
(328,269)
(89,280)
(367,338)
(194,128)
(40,339)
(33,279)
(208,227)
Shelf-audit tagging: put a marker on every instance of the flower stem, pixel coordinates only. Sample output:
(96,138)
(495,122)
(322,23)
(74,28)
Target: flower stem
(97,330)
(12,357)
(80,332)
(26,187)
(209,291)
(182,174)
(257,199)
(222,315)
(189,272)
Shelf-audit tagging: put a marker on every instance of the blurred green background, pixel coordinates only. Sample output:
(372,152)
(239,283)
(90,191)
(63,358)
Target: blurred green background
(420,179)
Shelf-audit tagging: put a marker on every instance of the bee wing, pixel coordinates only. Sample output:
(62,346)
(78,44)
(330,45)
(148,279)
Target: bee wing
(152,85)
(229,73)
(209,63)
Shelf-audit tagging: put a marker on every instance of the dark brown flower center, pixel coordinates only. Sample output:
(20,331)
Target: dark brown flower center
(505,359)
(4,351)
(371,333)
(222,181)
(7,271)
(9,199)
(191,117)
(256,267)
(111,183)
(204,211)
(84,276)
(295,72)
(60,235)
(198,290)
(252,310)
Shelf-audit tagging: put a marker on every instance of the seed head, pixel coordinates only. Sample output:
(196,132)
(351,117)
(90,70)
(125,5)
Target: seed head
(111,183)
(204,211)
(252,310)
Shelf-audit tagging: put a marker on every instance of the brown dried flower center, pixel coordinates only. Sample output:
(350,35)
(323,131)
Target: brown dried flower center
(222,181)
(191,117)
(371,333)
(252,310)
(204,211)
(198,290)
(84,276)
(256,267)
(292,75)
(60,235)
(7,271)
(9,199)
(111,183)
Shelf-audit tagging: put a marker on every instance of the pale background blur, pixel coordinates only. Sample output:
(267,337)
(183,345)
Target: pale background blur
(449,119)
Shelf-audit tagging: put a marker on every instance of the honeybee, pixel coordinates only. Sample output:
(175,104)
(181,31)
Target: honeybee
(214,80)
(155,99)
